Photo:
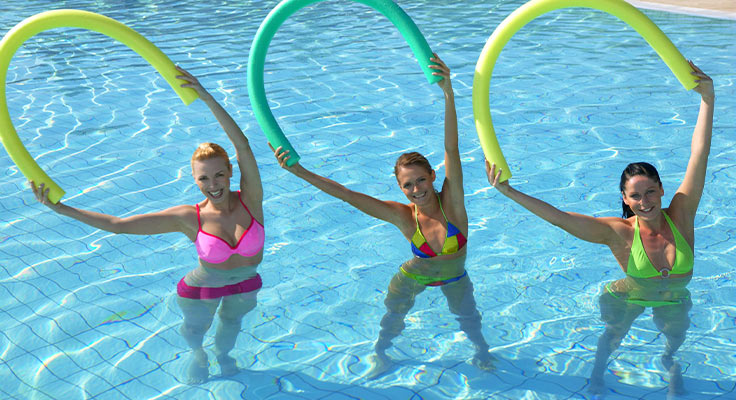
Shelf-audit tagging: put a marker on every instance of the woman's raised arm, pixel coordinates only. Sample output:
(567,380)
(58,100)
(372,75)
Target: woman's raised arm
(688,195)
(250,178)
(453,184)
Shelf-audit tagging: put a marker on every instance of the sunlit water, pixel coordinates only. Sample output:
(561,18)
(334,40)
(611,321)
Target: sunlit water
(576,95)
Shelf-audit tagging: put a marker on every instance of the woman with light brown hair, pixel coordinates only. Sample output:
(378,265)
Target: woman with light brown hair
(436,225)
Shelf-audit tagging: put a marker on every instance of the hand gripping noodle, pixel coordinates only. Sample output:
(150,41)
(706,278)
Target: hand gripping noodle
(531,10)
(73,19)
(267,30)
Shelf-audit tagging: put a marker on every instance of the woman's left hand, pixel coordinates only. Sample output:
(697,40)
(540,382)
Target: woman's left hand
(494,176)
(193,82)
(705,84)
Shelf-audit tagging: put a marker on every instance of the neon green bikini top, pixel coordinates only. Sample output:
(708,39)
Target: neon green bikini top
(641,267)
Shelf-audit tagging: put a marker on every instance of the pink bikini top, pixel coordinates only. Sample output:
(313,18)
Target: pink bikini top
(216,250)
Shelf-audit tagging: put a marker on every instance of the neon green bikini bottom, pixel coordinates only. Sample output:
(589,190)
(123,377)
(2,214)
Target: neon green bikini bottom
(431,280)
(646,303)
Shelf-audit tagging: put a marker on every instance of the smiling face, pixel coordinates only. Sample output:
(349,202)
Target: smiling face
(416,182)
(644,196)
(212,176)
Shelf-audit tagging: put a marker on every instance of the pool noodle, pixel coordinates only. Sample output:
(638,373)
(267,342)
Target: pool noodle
(73,19)
(268,28)
(531,10)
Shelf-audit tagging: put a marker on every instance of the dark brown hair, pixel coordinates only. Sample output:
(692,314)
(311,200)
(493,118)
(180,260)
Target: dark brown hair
(635,169)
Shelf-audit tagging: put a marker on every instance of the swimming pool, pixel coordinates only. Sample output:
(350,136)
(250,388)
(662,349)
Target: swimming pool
(575,97)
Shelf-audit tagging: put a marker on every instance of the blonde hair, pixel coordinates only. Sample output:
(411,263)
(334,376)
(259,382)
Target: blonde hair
(205,151)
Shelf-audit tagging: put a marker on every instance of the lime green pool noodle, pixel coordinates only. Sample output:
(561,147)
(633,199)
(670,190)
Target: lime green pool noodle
(531,10)
(277,16)
(73,19)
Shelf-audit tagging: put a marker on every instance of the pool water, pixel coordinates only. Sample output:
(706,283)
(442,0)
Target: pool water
(576,95)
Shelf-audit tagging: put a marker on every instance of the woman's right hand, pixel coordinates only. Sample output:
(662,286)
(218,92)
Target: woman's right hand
(494,176)
(42,195)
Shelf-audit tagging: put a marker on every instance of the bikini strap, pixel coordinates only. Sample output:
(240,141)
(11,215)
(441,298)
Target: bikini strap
(199,223)
(244,206)
(636,227)
(416,218)
(441,209)
(673,228)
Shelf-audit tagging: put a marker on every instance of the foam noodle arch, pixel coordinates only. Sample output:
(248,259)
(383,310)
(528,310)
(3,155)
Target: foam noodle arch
(272,22)
(531,10)
(73,19)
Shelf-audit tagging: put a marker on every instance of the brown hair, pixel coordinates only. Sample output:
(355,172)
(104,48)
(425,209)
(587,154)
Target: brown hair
(205,151)
(412,158)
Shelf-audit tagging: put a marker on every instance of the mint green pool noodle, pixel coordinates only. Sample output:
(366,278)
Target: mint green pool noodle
(74,19)
(533,9)
(277,16)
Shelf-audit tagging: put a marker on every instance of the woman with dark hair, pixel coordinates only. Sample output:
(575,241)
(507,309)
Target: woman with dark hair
(436,225)
(226,230)
(650,242)
(632,170)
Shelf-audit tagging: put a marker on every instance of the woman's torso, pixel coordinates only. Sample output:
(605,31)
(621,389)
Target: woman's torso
(438,241)
(646,255)
(652,291)
(228,239)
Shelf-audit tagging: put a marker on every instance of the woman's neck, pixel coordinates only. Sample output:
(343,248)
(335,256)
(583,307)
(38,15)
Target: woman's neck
(225,205)
(431,208)
(658,224)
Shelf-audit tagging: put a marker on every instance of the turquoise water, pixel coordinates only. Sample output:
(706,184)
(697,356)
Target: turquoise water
(576,95)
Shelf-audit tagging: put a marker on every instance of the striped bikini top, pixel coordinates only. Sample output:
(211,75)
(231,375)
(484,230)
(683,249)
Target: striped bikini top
(454,241)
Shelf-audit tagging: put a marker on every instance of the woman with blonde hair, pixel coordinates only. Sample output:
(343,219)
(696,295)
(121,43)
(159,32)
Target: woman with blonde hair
(227,230)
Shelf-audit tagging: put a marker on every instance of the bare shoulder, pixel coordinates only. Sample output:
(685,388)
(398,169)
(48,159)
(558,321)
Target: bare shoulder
(183,210)
(684,222)
(181,218)
(186,216)
(617,223)
(622,228)
(403,211)
(679,215)
(454,207)
(403,217)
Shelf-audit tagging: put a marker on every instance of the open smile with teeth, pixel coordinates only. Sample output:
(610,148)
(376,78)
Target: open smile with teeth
(646,210)
(216,194)
(420,196)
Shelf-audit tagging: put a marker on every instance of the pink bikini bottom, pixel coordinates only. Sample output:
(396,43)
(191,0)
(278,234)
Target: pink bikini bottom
(194,292)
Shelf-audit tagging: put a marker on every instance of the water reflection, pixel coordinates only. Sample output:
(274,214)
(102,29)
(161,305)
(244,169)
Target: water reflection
(413,277)
(623,301)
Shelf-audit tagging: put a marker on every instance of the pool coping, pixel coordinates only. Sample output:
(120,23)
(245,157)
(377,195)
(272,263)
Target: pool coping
(701,12)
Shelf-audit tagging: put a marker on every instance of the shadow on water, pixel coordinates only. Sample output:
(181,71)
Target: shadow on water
(513,378)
